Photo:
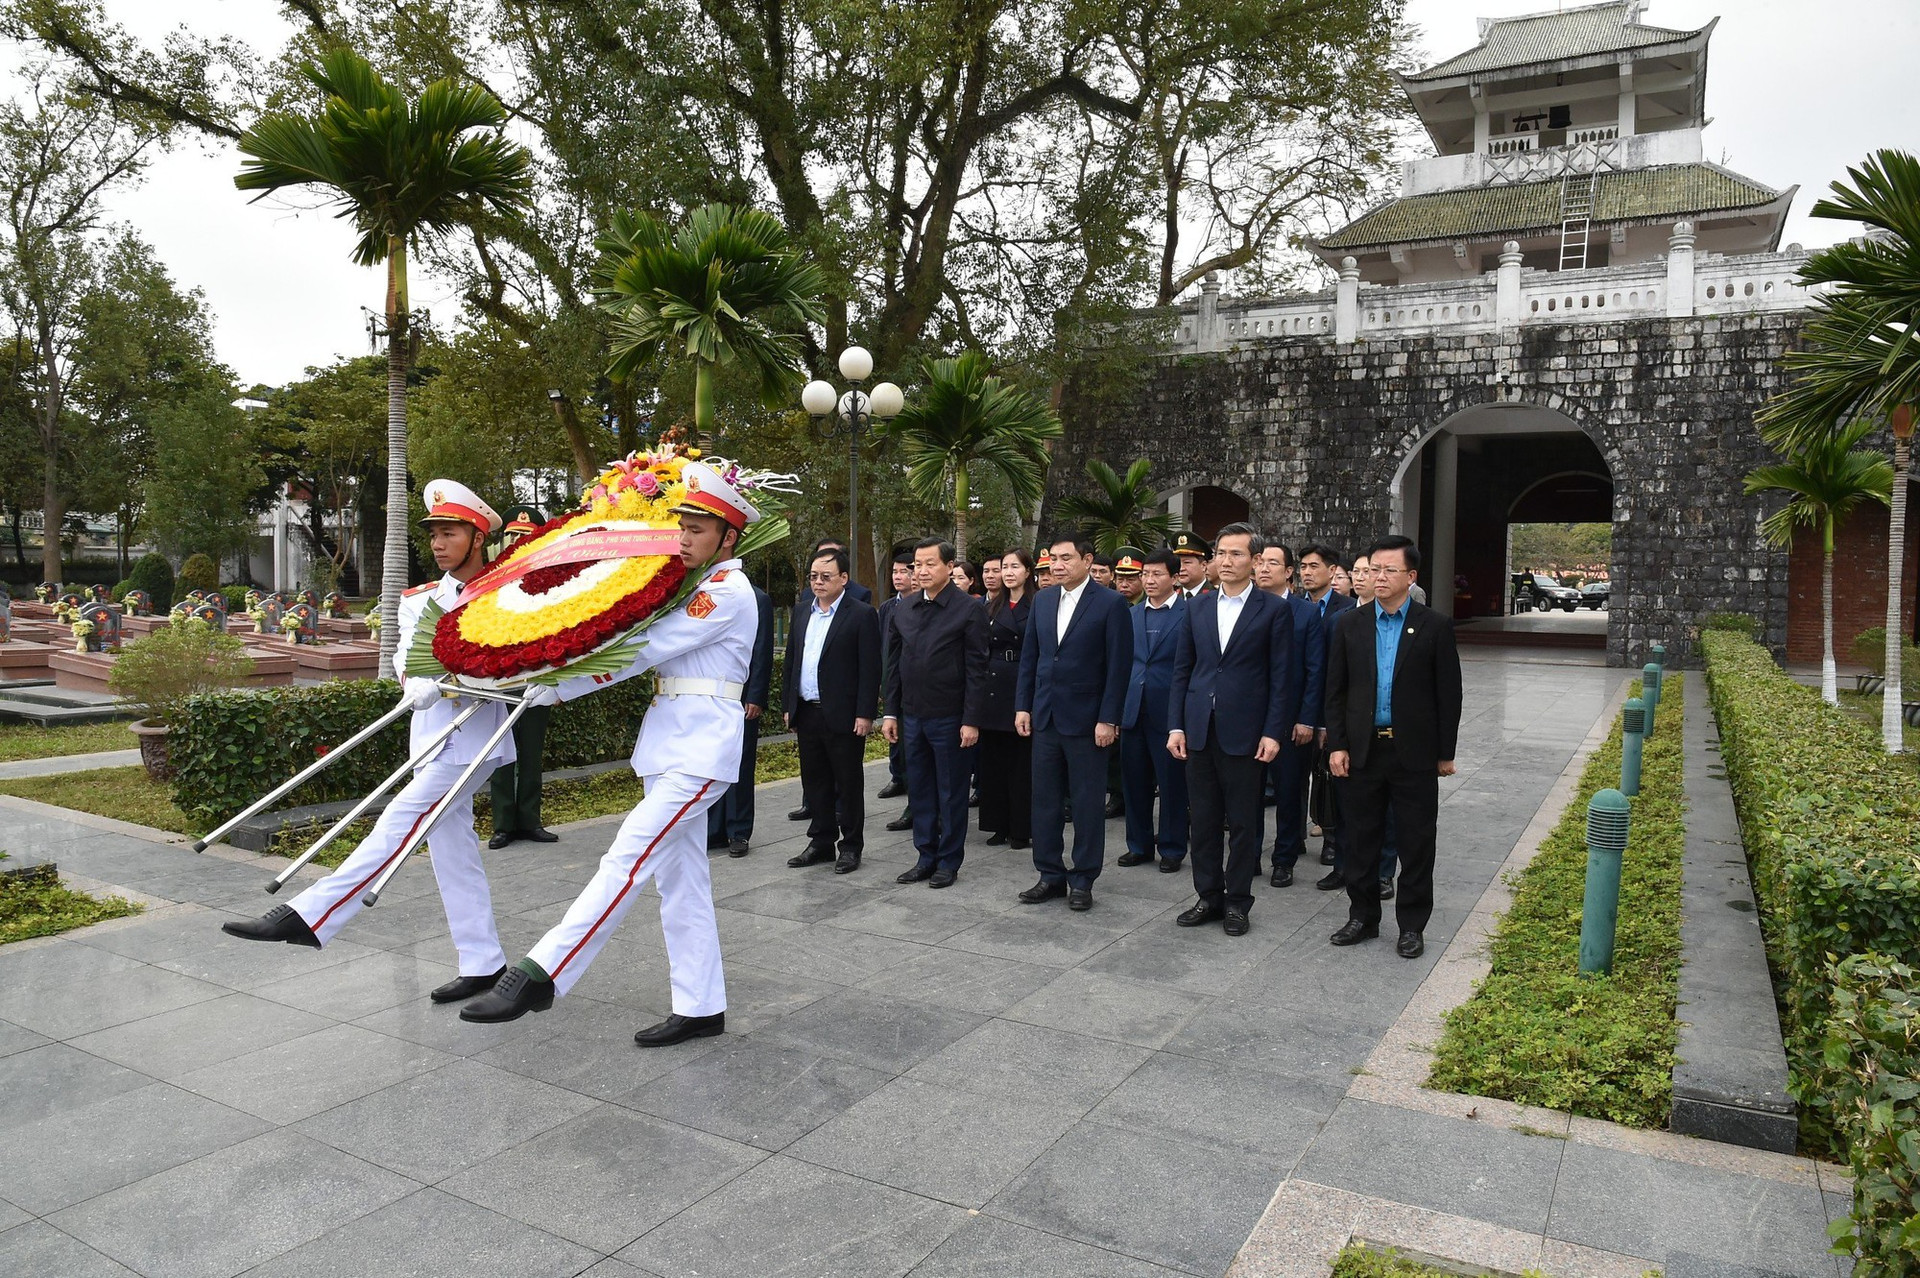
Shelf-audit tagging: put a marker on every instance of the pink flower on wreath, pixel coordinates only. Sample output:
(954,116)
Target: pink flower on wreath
(647,484)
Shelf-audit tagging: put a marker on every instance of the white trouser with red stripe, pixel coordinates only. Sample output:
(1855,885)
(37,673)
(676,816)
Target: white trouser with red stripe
(455,849)
(664,838)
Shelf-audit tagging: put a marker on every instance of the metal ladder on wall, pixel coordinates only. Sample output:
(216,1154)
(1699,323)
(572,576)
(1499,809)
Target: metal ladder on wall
(1576,216)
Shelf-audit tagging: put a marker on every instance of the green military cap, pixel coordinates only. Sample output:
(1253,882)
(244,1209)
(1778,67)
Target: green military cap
(1127,561)
(522,520)
(1186,543)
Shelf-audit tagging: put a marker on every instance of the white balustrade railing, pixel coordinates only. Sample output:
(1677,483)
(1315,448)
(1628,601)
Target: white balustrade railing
(1604,293)
(1598,133)
(1761,282)
(1512,143)
(1425,308)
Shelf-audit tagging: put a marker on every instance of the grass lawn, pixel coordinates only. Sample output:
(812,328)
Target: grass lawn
(36,905)
(30,741)
(122,793)
(1359,1261)
(1538,1032)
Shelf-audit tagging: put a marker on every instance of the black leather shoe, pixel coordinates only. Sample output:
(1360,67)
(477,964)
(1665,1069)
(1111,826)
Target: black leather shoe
(902,822)
(998,840)
(1386,889)
(801,813)
(893,789)
(513,996)
(812,854)
(942,878)
(1410,945)
(845,864)
(1235,923)
(918,874)
(1115,808)
(501,840)
(462,987)
(280,923)
(1326,857)
(1282,876)
(1133,858)
(1353,931)
(1080,900)
(1019,845)
(678,1029)
(1200,914)
(540,834)
(1331,882)
(1042,891)
(1169,865)
(738,847)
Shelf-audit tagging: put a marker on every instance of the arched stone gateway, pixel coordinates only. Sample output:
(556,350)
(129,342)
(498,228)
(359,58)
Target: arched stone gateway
(1325,440)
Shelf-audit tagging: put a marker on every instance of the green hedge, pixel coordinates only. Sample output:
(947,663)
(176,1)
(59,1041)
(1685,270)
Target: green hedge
(232,747)
(1536,1031)
(1870,1074)
(152,574)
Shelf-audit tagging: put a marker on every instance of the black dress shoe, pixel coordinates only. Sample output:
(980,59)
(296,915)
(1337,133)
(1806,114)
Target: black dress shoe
(812,854)
(1235,923)
(678,1029)
(738,847)
(540,834)
(1386,889)
(1133,858)
(801,813)
(1331,882)
(1201,913)
(513,996)
(918,874)
(465,987)
(1115,808)
(1080,900)
(1042,891)
(999,839)
(1353,931)
(1282,876)
(501,840)
(845,864)
(942,878)
(1326,856)
(1410,945)
(1169,865)
(1019,845)
(280,923)
(902,822)
(893,789)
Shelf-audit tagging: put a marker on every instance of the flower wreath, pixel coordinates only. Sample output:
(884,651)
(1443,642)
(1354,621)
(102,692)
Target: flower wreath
(576,595)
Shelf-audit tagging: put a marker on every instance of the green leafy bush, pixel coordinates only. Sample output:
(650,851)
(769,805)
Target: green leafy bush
(1870,650)
(231,748)
(159,672)
(199,573)
(1870,1070)
(1539,1033)
(236,597)
(1738,623)
(1831,824)
(152,574)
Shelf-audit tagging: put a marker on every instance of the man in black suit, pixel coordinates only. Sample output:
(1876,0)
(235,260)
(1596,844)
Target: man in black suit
(832,695)
(1144,760)
(1073,687)
(901,582)
(1228,712)
(1306,669)
(1393,721)
(805,600)
(1317,565)
(730,819)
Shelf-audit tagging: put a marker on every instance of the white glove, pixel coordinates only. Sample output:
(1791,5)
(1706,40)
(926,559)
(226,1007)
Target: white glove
(423,693)
(540,694)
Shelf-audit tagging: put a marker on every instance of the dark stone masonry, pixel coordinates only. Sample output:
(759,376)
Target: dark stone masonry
(1311,433)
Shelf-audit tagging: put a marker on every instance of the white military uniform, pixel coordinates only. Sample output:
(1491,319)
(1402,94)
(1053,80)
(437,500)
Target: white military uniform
(688,753)
(453,845)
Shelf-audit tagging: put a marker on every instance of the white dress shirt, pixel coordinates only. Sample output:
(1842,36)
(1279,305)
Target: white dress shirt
(1069,600)
(818,623)
(1230,608)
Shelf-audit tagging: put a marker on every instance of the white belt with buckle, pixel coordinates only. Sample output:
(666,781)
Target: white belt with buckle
(677,686)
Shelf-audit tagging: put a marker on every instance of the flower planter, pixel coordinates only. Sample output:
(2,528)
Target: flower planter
(153,749)
(1869,683)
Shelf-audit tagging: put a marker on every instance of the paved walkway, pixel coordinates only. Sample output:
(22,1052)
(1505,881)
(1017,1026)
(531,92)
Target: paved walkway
(68,763)
(939,1084)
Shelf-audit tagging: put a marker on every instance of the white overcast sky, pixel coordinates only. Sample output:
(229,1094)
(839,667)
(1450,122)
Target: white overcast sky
(1796,90)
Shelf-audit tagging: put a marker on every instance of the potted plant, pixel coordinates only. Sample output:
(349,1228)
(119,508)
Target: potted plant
(158,672)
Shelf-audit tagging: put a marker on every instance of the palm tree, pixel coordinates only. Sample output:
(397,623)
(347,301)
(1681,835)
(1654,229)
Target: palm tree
(966,416)
(397,169)
(1861,359)
(726,288)
(1122,511)
(1826,480)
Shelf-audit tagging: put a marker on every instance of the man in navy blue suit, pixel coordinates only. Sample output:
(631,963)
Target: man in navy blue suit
(1228,712)
(1144,760)
(1072,690)
(1305,672)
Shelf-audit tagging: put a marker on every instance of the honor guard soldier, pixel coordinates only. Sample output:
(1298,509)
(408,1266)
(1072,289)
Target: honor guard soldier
(1194,554)
(1127,562)
(516,786)
(688,754)
(459,524)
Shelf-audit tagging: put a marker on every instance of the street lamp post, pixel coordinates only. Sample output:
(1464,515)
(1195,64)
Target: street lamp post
(851,412)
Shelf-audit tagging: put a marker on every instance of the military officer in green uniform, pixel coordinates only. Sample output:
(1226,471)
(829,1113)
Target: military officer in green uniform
(516,786)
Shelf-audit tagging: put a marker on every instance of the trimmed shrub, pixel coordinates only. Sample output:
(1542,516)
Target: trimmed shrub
(1738,623)
(199,573)
(159,673)
(1870,650)
(1870,1061)
(231,748)
(152,574)
(236,597)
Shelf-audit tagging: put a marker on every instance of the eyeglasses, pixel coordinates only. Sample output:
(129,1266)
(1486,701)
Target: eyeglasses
(1390,572)
(823,576)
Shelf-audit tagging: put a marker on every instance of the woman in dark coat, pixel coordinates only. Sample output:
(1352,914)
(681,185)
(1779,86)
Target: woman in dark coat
(1006,757)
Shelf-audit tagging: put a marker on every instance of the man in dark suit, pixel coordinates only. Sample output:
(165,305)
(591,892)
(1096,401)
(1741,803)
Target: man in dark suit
(805,600)
(730,819)
(1317,565)
(832,695)
(1144,760)
(1228,712)
(901,582)
(1393,721)
(1073,687)
(1306,667)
